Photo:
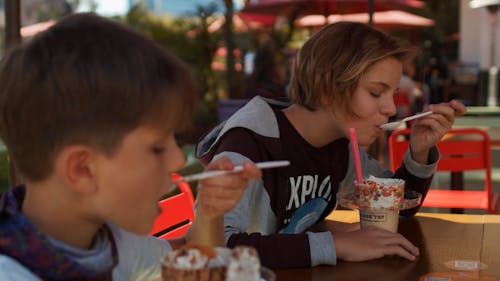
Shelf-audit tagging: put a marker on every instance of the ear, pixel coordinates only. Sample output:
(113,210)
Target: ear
(74,166)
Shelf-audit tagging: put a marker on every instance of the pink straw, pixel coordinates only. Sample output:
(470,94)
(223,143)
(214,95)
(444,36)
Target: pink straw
(355,150)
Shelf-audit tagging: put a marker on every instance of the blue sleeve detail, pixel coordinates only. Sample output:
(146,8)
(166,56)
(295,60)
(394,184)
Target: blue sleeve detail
(305,216)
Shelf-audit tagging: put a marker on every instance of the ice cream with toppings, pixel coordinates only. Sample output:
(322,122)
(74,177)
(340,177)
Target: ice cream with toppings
(244,265)
(192,263)
(202,263)
(380,193)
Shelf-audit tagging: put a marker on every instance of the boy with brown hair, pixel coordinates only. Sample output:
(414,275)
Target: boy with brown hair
(88,112)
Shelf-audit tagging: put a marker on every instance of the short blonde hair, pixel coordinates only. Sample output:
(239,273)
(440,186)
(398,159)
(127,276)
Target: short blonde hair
(332,61)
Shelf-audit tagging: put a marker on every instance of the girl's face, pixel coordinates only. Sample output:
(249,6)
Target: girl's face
(132,180)
(372,101)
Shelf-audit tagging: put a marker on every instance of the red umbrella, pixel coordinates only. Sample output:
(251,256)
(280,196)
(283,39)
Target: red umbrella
(263,19)
(243,22)
(385,19)
(326,7)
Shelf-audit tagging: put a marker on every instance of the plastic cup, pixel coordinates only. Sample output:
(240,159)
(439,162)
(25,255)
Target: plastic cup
(379,202)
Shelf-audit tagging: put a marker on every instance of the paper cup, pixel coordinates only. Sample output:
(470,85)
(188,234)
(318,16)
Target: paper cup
(381,218)
(379,202)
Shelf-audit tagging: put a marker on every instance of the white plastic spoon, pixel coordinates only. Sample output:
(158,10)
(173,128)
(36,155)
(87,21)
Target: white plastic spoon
(238,168)
(391,126)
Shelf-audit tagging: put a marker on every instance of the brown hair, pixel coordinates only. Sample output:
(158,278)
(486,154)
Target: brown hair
(332,61)
(87,80)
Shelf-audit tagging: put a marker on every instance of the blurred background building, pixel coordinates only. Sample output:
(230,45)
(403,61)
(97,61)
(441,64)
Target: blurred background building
(479,41)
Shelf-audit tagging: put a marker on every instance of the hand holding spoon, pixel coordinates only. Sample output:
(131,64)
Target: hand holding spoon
(391,126)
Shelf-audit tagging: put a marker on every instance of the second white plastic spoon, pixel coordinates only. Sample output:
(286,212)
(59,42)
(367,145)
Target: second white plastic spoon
(237,168)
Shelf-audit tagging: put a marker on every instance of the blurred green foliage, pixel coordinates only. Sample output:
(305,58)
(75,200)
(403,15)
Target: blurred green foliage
(186,37)
(189,39)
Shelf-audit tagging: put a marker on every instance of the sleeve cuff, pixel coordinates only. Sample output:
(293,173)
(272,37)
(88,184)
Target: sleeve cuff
(322,248)
(421,170)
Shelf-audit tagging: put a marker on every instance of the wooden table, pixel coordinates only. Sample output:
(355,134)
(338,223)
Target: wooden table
(440,238)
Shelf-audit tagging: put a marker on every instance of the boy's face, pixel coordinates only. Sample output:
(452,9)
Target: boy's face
(132,180)
(372,100)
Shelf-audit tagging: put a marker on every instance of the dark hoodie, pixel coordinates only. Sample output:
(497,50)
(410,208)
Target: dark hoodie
(276,211)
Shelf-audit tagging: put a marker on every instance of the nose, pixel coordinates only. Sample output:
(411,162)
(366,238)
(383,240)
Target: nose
(388,107)
(177,160)
(180,159)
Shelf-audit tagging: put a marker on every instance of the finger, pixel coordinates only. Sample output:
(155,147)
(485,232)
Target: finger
(222,163)
(233,181)
(442,109)
(406,244)
(432,126)
(437,120)
(399,251)
(250,171)
(396,239)
(390,238)
(220,193)
(217,206)
(458,107)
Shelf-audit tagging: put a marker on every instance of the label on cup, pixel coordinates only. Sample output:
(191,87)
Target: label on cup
(382,218)
(374,216)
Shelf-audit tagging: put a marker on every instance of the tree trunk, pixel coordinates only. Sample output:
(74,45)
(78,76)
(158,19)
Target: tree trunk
(12,38)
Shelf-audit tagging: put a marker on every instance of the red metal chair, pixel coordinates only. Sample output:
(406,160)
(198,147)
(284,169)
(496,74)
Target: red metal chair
(461,150)
(402,102)
(177,213)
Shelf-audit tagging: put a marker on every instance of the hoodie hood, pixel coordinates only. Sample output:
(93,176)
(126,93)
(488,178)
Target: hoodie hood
(257,116)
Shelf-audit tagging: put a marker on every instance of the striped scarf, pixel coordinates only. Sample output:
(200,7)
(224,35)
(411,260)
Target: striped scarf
(22,241)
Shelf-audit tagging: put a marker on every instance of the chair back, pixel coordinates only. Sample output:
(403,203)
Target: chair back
(177,213)
(461,150)
(402,102)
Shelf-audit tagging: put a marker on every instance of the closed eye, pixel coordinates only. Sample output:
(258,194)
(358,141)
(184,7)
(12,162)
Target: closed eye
(158,149)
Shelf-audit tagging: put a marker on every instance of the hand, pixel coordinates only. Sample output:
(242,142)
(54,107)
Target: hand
(428,131)
(218,195)
(372,243)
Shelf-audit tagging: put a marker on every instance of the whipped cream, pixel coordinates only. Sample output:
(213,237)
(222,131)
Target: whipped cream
(244,265)
(187,259)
